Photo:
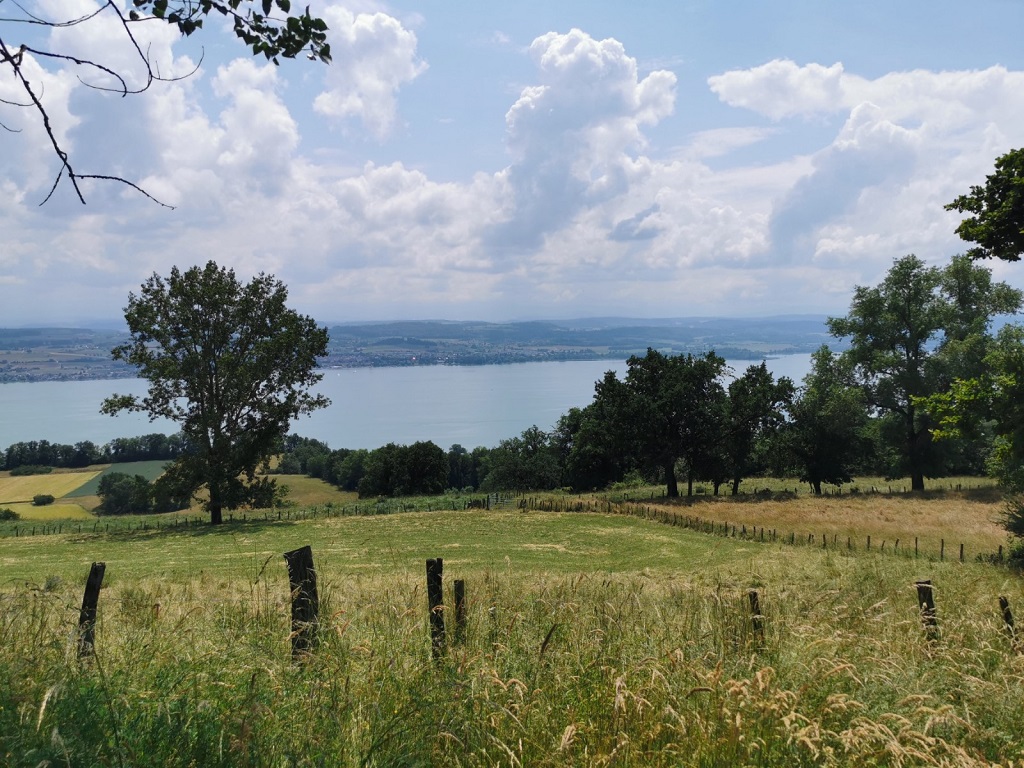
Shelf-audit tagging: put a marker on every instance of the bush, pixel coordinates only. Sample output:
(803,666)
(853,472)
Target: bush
(122,494)
(31,469)
(42,499)
(9,514)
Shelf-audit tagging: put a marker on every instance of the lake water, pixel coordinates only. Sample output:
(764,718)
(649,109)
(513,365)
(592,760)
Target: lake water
(468,405)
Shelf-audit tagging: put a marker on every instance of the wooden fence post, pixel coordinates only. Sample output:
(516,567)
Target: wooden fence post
(435,603)
(756,618)
(926,602)
(460,611)
(305,601)
(1011,631)
(87,616)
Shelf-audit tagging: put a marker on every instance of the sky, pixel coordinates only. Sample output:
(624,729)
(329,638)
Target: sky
(513,161)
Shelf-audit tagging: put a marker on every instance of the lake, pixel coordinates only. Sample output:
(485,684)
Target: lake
(468,405)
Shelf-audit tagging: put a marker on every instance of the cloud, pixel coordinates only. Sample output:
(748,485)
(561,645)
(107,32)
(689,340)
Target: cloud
(782,89)
(869,150)
(817,178)
(373,57)
(574,135)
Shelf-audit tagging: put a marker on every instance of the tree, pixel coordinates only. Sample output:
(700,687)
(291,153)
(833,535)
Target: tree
(997,225)
(123,494)
(405,470)
(525,463)
(267,27)
(911,335)
(825,436)
(588,445)
(754,410)
(670,408)
(228,361)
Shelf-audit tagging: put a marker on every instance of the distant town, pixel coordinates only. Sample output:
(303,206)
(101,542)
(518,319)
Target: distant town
(68,354)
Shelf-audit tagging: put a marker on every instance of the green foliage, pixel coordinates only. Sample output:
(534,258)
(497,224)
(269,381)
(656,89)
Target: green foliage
(231,364)
(124,494)
(268,27)
(912,335)
(9,514)
(992,400)
(31,469)
(754,413)
(826,435)
(525,463)
(42,499)
(669,409)
(997,225)
(404,470)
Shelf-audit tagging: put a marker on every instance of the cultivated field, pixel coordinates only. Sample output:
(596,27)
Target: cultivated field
(592,639)
(56,484)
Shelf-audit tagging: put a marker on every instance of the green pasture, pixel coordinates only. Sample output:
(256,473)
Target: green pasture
(471,542)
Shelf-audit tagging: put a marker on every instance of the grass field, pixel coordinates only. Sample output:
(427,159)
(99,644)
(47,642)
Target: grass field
(15,489)
(49,512)
(592,640)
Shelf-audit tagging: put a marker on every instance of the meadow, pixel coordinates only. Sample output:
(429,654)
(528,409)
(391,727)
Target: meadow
(592,639)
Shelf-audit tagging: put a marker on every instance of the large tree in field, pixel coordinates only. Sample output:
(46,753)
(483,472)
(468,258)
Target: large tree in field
(669,408)
(997,225)
(232,364)
(913,334)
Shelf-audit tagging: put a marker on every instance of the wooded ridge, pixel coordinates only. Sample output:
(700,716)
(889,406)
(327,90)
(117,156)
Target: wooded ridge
(66,354)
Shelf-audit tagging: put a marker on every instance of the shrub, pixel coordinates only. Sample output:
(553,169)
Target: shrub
(122,494)
(31,469)
(42,499)
(9,514)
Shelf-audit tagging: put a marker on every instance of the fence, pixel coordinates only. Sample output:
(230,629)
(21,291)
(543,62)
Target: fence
(305,609)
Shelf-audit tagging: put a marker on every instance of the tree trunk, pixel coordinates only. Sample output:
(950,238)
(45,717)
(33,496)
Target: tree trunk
(816,485)
(915,441)
(689,483)
(735,485)
(671,484)
(215,505)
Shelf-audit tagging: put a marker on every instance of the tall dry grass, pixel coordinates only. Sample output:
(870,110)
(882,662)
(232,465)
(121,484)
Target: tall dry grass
(642,669)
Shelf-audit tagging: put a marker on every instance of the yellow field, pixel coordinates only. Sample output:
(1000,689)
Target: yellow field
(310,491)
(14,489)
(57,511)
(970,518)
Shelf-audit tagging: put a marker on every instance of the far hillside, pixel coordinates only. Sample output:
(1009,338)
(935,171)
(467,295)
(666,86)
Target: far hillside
(67,354)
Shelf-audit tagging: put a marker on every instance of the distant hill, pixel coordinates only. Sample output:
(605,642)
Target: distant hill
(40,354)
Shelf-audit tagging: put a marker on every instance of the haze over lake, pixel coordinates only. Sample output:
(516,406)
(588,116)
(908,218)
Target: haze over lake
(468,405)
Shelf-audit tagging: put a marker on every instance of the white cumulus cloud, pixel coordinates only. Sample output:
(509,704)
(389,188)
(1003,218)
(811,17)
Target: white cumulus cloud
(373,57)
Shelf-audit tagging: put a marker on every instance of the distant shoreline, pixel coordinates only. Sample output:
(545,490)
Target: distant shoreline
(74,354)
